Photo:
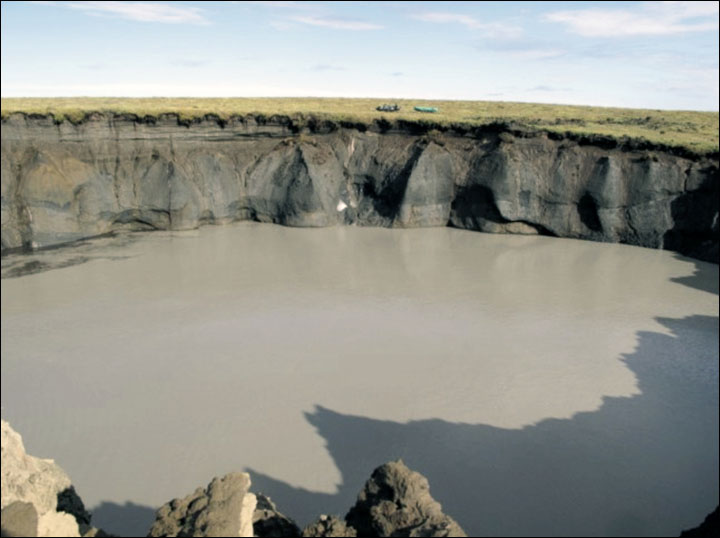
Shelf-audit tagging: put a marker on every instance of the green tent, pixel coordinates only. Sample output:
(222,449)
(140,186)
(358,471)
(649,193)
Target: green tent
(426,109)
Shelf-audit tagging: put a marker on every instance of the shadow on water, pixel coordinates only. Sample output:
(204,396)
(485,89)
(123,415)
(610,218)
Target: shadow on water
(705,277)
(127,519)
(641,465)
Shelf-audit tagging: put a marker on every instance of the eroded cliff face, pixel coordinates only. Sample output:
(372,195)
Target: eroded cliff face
(62,182)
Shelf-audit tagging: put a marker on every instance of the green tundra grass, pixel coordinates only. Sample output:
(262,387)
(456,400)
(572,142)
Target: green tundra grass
(696,131)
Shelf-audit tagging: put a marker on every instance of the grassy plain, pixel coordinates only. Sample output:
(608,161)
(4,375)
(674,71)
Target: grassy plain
(697,131)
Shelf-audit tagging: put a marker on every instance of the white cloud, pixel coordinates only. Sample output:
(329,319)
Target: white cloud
(522,49)
(282,25)
(96,66)
(122,89)
(686,9)
(137,11)
(337,24)
(283,8)
(694,81)
(537,54)
(296,13)
(326,67)
(278,4)
(465,20)
(190,62)
(495,29)
(545,88)
(651,18)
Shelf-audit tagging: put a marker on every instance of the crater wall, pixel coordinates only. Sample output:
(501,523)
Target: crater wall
(63,181)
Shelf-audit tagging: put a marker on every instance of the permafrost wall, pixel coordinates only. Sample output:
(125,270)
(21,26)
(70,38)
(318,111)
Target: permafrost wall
(64,181)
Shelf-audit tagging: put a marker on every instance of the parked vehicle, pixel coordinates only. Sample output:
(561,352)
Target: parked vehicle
(388,108)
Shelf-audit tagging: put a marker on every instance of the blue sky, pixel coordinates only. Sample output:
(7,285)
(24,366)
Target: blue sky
(634,54)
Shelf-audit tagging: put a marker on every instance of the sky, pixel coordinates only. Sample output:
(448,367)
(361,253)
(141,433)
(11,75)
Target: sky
(658,55)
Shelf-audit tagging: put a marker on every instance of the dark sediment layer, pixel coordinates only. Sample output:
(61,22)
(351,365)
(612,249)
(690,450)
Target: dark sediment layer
(66,181)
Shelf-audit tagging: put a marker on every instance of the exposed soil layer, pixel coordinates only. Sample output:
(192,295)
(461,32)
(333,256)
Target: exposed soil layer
(63,181)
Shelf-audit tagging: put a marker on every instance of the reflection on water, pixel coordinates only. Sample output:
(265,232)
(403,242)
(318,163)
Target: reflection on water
(17,264)
(204,352)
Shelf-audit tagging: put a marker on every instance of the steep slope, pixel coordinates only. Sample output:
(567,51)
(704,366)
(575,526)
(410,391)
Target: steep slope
(65,181)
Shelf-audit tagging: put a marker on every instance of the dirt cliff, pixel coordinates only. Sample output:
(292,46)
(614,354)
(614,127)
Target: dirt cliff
(62,181)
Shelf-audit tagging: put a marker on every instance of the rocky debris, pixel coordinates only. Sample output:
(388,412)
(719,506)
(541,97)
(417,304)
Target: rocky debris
(57,524)
(26,478)
(37,481)
(39,500)
(70,502)
(329,526)
(709,527)
(267,521)
(19,519)
(224,508)
(396,502)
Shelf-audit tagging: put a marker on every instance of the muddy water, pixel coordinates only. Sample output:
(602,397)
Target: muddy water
(568,386)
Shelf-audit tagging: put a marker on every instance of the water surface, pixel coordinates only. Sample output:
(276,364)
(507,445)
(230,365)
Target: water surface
(544,386)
